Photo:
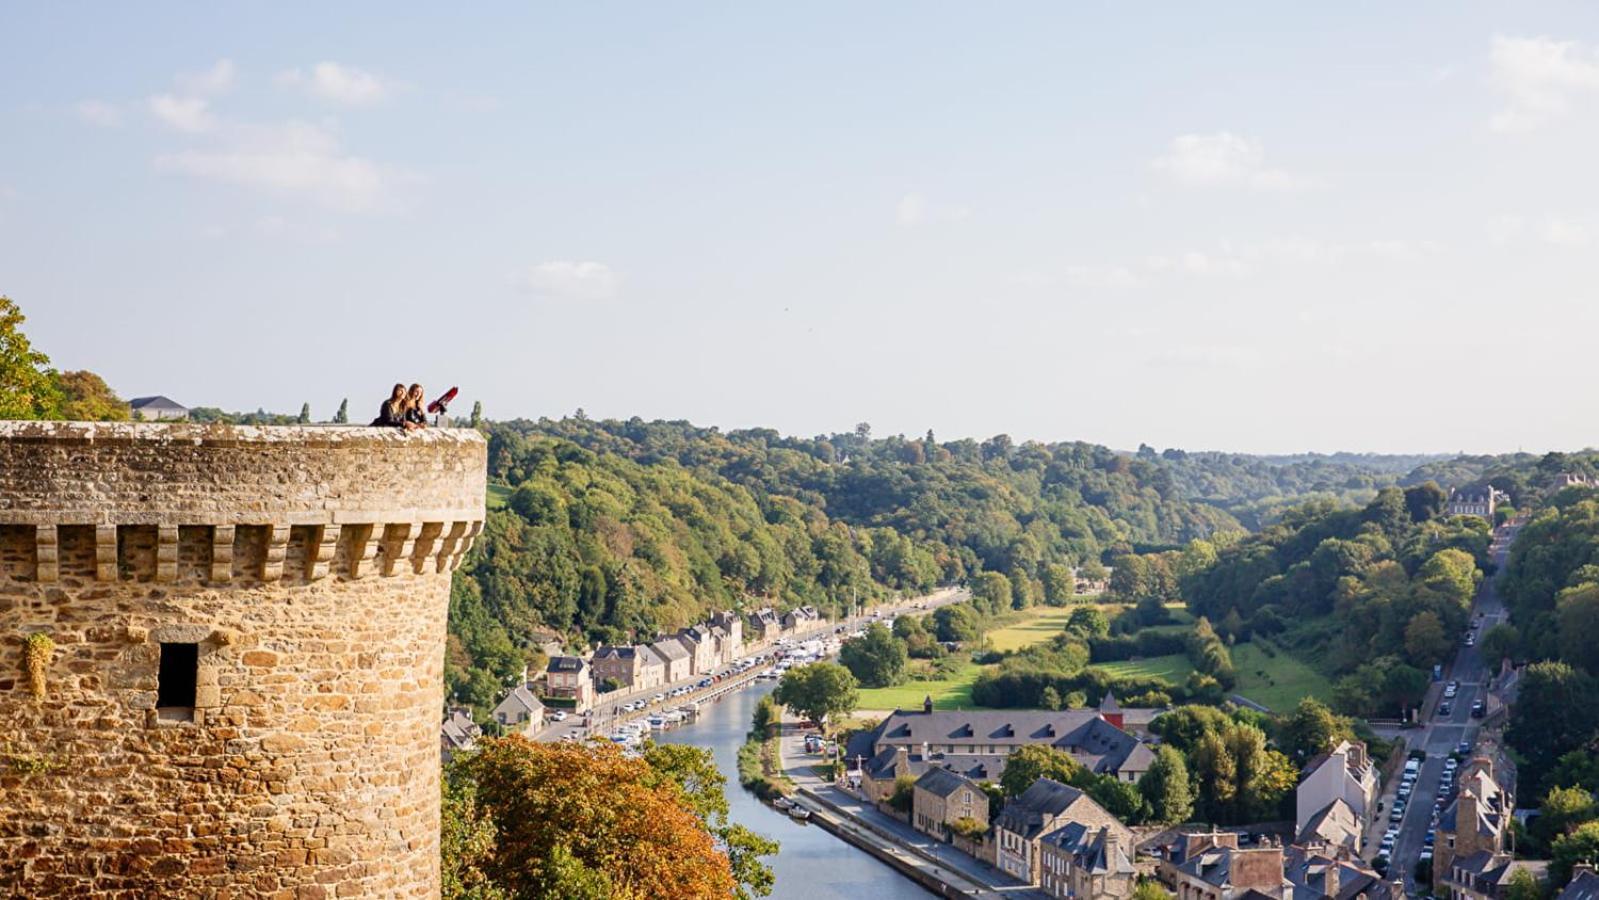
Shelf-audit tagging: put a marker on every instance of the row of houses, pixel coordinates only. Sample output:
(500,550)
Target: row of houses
(577,681)
(1052,835)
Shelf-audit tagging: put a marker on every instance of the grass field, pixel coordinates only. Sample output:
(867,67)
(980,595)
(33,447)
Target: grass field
(1173,668)
(1280,681)
(498,494)
(952,693)
(1035,626)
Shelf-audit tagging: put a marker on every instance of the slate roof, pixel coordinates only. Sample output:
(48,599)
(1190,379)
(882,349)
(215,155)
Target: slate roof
(1092,741)
(459,731)
(1308,873)
(565,664)
(943,783)
(670,650)
(156,402)
(977,767)
(1334,824)
(1028,814)
(1583,887)
(520,696)
(1086,847)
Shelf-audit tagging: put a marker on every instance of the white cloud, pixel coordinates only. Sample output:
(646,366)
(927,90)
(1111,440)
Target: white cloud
(916,209)
(98,112)
(337,84)
(1566,233)
(213,82)
(1101,277)
(1223,159)
(189,114)
(569,280)
(1198,262)
(294,158)
(1539,79)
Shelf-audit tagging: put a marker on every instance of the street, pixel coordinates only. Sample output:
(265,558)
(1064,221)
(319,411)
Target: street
(1440,735)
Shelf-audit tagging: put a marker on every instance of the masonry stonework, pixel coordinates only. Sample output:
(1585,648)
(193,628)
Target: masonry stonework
(310,569)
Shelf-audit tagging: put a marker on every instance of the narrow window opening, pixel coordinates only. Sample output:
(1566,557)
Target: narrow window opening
(180,670)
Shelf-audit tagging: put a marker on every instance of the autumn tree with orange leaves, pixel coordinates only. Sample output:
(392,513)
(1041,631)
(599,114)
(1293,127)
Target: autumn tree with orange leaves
(588,820)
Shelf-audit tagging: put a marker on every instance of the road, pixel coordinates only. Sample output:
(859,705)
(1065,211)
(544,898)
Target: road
(607,714)
(1441,734)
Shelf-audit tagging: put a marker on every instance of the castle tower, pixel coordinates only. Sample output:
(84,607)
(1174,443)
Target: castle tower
(246,679)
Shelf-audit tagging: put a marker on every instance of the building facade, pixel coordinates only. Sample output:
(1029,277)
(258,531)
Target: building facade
(942,802)
(1039,810)
(569,678)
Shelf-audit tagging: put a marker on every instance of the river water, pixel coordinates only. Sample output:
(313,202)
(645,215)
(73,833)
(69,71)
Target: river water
(812,865)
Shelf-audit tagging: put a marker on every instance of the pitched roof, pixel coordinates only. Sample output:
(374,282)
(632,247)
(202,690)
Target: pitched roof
(1028,814)
(565,664)
(1092,741)
(670,650)
(1583,887)
(1087,848)
(156,402)
(943,783)
(1307,872)
(459,731)
(1335,824)
(521,697)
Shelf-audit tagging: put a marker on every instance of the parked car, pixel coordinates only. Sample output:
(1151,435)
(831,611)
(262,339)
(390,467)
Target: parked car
(1445,708)
(1479,709)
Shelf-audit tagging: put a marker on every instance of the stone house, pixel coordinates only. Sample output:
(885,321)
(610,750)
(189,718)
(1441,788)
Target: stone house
(635,668)
(701,647)
(764,626)
(569,678)
(1471,855)
(1214,866)
(1084,862)
(800,618)
(1476,502)
(942,798)
(730,638)
(1343,773)
(520,712)
(1041,809)
(678,665)
(1584,884)
(458,733)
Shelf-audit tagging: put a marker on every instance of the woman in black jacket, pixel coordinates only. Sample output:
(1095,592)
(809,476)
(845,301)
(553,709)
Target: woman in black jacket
(392,413)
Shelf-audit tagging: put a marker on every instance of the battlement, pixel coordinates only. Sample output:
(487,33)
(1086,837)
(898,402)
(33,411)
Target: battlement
(247,630)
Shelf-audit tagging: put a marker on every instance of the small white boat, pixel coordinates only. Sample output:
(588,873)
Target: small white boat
(783,803)
(799,812)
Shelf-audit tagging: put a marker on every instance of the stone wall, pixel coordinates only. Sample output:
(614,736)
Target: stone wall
(311,568)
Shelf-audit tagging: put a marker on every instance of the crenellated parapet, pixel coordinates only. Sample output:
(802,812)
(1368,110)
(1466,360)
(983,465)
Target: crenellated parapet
(247,631)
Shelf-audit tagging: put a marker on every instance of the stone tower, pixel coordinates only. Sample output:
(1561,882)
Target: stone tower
(244,689)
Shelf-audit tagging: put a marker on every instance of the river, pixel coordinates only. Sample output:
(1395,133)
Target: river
(812,865)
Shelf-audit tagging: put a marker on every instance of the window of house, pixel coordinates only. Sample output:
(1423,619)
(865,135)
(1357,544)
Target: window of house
(180,665)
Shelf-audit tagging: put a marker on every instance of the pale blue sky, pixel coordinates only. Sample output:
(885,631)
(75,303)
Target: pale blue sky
(1251,226)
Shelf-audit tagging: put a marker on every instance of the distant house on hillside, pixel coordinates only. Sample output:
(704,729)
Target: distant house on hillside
(520,712)
(1476,502)
(157,409)
(459,733)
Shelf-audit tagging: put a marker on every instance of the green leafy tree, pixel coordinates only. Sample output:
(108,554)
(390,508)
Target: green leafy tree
(1150,889)
(477,414)
(85,397)
(305,414)
(1524,886)
(1088,621)
(1059,584)
(1563,809)
(956,622)
(27,384)
(1578,612)
(466,843)
(1050,698)
(1312,728)
(876,659)
(1027,764)
(1556,711)
(1166,788)
(1503,641)
(1580,846)
(342,417)
(818,691)
(992,593)
(1425,641)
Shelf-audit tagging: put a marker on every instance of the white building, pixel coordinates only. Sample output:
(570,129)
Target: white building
(1342,773)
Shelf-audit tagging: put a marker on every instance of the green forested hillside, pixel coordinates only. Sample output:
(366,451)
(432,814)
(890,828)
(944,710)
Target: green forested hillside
(1258,489)
(616,530)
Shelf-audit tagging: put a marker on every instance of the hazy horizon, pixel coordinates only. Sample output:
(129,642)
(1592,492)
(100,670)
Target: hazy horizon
(1364,227)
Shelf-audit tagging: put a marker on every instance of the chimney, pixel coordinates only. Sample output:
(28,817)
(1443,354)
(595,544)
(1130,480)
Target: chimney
(1113,847)
(902,761)
(1329,882)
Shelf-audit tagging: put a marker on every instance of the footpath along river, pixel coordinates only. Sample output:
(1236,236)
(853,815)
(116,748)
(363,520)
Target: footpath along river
(813,865)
